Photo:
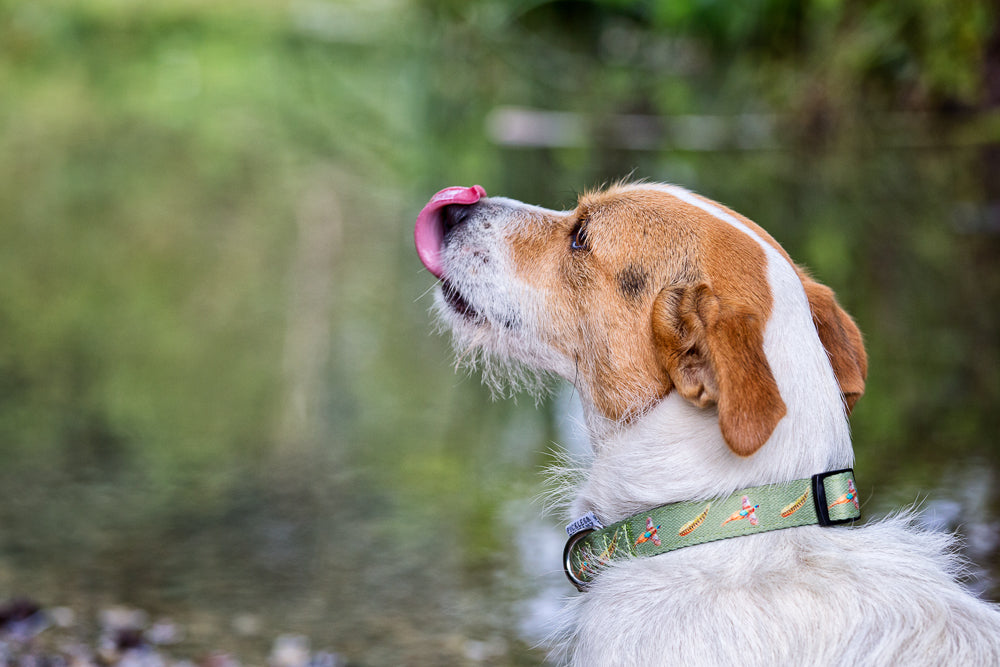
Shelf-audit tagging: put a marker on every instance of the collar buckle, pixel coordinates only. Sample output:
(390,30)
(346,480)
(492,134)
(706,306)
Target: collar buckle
(819,498)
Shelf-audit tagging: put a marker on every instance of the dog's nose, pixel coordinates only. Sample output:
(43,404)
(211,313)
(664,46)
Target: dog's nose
(455,215)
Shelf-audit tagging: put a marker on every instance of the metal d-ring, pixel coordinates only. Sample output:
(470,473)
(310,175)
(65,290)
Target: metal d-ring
(580,584)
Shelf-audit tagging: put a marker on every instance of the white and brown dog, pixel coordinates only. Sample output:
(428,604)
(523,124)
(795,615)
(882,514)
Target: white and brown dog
(707,362)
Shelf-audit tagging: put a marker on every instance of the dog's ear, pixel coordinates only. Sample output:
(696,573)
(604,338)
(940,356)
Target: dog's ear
(713,352)
(842,340)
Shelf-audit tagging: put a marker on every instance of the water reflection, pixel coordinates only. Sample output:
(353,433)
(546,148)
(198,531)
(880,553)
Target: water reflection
(408,523)
(961,504)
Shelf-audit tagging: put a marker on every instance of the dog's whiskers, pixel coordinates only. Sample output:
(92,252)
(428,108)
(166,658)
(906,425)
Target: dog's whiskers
(427,291)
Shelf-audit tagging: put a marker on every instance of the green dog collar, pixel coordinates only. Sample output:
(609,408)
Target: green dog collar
(759,509)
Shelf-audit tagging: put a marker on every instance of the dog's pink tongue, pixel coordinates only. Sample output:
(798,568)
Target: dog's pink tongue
(428,234)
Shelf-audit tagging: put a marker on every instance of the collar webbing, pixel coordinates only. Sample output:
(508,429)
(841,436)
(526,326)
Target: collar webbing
(749,511)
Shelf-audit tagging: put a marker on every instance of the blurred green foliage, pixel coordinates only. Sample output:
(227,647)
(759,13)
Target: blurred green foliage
(836,55)
(217,390)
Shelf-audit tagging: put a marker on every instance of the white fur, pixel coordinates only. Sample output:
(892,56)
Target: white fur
(881,594)
(480,266)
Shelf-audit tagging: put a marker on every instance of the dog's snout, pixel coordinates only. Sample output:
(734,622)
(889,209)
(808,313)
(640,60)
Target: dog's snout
(456,215)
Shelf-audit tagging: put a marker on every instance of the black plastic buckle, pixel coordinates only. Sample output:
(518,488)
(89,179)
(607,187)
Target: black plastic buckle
(819,498)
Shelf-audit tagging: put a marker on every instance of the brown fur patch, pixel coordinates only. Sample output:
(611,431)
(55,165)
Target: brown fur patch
(599,301)
(841,338)
(669,296)
(837,331)
(716,354)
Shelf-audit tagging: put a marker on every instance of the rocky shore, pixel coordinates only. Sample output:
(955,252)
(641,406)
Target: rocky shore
(34,636)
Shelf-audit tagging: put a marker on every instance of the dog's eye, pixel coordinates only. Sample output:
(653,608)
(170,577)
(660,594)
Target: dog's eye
(578,238)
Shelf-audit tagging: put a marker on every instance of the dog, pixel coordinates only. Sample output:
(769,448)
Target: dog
(707,363)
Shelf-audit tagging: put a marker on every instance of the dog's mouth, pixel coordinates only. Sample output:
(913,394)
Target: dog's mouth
(428,233)
(429,236)
(458,303)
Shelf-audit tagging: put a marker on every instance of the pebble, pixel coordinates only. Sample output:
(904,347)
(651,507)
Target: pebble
(290,651)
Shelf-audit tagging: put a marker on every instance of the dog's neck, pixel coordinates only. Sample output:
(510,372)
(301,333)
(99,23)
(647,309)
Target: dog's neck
(676,452)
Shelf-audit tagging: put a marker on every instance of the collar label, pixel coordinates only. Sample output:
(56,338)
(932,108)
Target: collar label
(586,522)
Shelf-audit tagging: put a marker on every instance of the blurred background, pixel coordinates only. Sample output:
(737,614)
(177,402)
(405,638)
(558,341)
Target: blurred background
(220,398)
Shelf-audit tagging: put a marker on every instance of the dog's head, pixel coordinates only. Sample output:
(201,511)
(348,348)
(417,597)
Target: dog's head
(640,291)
